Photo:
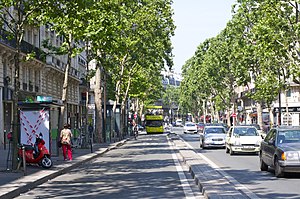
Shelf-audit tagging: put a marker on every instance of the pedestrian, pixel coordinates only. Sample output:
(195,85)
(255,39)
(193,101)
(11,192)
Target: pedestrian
(65,137)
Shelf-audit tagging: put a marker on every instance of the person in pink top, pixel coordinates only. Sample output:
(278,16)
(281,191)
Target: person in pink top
(65,137)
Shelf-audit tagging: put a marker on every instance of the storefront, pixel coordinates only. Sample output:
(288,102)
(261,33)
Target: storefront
(288,116)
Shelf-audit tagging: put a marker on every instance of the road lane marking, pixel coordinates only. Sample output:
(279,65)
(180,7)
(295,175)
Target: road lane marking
(184,182)
(238,185)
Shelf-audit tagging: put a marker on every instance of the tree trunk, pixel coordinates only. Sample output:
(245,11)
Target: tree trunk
(16,118)
(63,110)
(287,109)
(259,115)
(105,109)
(98,105)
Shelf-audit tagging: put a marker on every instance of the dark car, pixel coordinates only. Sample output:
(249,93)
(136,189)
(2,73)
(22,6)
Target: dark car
(281,150)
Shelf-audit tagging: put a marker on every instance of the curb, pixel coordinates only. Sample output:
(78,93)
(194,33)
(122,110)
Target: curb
(85,158)
(211,183)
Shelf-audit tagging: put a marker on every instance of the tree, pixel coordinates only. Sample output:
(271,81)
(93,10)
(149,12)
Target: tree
(135,36)
(67,19)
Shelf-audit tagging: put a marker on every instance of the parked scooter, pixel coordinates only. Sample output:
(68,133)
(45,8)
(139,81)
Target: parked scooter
(37,154)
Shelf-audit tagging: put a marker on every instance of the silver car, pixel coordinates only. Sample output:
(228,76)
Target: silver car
(213,136)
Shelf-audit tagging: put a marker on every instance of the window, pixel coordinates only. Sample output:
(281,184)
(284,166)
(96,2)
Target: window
(289,93)
(35,40)
(29,36)
(287,119)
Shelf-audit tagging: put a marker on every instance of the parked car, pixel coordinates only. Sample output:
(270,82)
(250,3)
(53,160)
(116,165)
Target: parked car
(213,136)
(245,139)
(178,122)
(190,127)
(281,150)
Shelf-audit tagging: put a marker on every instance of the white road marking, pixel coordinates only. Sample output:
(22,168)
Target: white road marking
(238,185)
(184,182)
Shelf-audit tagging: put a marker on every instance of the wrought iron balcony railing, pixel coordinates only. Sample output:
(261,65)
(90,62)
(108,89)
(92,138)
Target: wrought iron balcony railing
(5,38)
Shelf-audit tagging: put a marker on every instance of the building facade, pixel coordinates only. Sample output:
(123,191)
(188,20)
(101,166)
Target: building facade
(40,76)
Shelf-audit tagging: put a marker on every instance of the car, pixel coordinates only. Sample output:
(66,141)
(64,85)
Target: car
(281,151)
(242,139)
(190,127)
(213,136)
(178,122)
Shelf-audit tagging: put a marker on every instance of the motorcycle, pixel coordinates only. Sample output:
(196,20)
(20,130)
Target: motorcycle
(37,154)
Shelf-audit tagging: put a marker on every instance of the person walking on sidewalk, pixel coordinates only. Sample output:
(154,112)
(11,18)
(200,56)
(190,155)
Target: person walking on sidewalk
(65,137)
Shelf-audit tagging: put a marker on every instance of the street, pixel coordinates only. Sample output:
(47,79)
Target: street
(145,168)
(244,169)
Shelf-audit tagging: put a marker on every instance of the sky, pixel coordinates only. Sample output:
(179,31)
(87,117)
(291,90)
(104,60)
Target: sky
(196,21)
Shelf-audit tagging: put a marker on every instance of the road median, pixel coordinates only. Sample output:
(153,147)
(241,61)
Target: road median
(211,183)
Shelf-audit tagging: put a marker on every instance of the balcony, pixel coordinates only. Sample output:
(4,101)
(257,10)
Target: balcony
(25,46)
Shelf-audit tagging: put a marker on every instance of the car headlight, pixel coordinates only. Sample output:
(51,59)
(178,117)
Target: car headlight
(208,139)
(290,155)
(258,142)
(237,142)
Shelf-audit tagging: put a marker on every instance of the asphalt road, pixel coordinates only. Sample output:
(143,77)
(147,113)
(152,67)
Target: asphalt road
(245,169)
(145,168)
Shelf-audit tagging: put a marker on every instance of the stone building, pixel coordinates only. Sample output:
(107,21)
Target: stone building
(40,76)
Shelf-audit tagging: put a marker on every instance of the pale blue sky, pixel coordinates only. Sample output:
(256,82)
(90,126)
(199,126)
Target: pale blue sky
(196,21)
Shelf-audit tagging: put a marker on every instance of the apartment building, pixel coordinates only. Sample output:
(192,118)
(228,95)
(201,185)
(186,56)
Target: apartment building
(41,76)
(288,102)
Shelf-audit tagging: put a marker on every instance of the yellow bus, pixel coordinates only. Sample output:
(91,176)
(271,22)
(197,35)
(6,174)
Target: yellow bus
(154,119)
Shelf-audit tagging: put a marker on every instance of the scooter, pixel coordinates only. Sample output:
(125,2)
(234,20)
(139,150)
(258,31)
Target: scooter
(37,154)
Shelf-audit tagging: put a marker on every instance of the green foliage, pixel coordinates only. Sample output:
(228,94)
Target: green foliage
(259,46)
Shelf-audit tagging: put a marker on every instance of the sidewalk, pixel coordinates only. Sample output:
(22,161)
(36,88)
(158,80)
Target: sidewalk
(12,183)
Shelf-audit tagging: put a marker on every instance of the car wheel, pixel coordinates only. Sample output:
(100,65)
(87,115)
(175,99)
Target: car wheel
(231,152)
(263,165)
(278,170)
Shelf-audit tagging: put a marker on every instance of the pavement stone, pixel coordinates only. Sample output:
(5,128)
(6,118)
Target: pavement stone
(13,183)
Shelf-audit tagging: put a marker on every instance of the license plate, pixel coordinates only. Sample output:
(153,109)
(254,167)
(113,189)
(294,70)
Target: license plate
(248,147)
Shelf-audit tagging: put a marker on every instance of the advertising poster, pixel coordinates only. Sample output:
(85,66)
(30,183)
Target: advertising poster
(33,123)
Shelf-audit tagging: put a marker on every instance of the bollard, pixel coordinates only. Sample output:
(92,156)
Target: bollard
(24,160)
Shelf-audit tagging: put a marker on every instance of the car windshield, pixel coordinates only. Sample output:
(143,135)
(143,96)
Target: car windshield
(288,136)
(245,131)
(214,131)
(190,124)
